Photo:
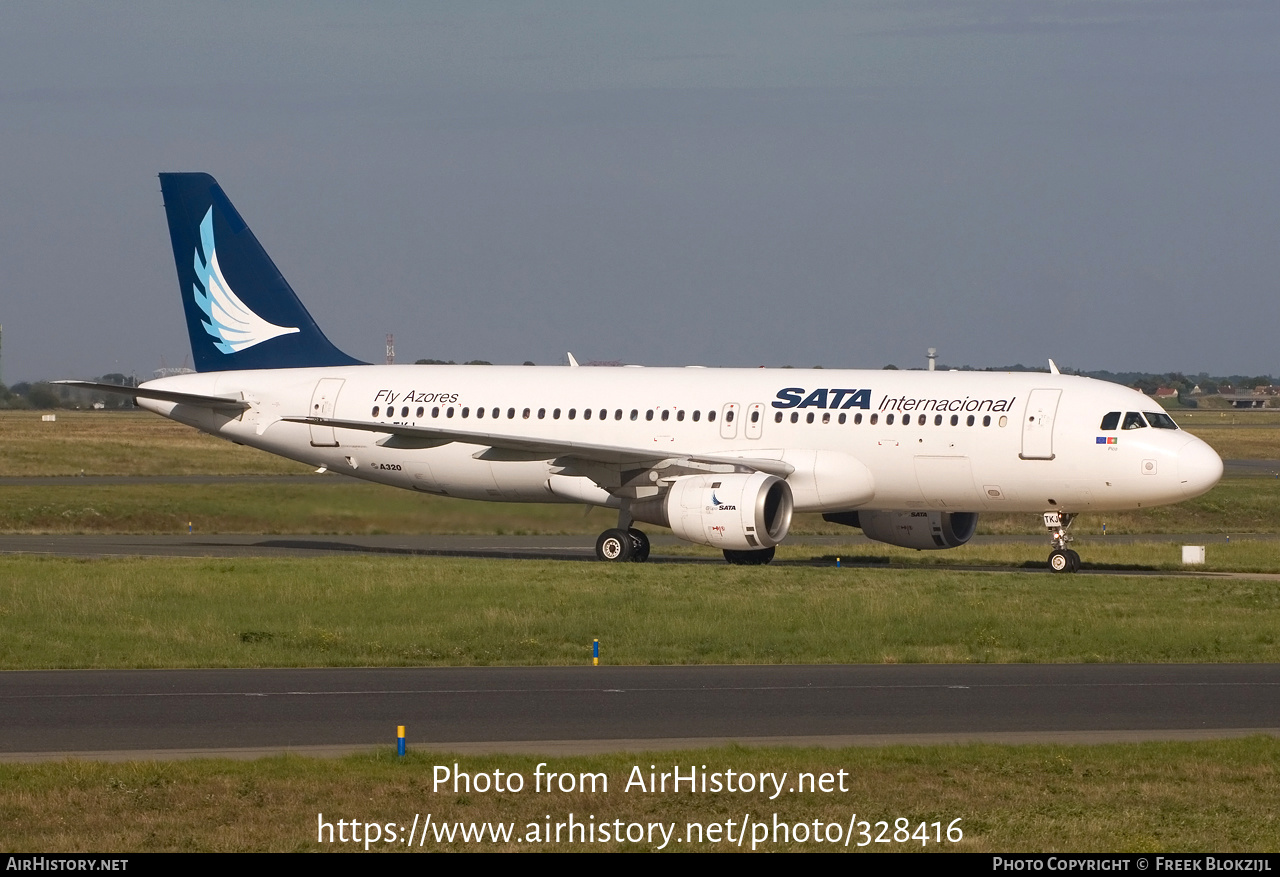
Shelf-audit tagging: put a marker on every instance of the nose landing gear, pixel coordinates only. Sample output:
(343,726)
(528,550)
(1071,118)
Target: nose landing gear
(1062,558)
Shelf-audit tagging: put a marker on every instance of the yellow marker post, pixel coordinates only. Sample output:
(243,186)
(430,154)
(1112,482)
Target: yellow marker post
(400,740)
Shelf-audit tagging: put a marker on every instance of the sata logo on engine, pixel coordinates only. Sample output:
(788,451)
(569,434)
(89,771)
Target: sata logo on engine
(716,505)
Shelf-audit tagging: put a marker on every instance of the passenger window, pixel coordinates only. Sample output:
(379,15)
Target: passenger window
(842,417)
(404,412)
(448,412)
(376,409)
(573,412)
(495,413)
(937,420)
(826,418)
(955,419)
(435,412)
(809,417)
(969,422)
(648,415)
(1133,420)
(511,414)
(421,410)
(466,412)
(586,413)
(777,418)
(697,415)
(711,417)
(680,415)
(542,413)
(617,415)
(795,417)
(604,414)
(857,418)
(1160,420)
(479,412)
(1110,421)
(525,415)
(874,418)
(921,420)
(728,416)
(986,421)
(888,419)
(555,415)
(634,414)
(755,416)
(665,414)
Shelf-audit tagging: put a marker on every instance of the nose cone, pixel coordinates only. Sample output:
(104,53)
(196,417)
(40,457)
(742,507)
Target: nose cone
(1199,468)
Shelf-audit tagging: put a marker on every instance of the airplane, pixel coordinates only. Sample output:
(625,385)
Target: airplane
(722,456)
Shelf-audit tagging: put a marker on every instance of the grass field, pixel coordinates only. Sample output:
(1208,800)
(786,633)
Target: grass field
(379,611)
(123,443)
(1154,797)
(335,504)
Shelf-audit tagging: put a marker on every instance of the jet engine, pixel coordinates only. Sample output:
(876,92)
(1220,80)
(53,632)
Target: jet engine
(738,512)
(919,530)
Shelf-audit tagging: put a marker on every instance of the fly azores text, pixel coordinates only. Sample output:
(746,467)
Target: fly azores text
(414,396)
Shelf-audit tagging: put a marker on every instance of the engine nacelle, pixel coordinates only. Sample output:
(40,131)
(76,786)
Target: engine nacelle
(919,530)
(740,512)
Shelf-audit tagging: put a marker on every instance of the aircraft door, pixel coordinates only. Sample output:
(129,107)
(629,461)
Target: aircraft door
(323,402)
(1037,425)
(755,420)
(729,421)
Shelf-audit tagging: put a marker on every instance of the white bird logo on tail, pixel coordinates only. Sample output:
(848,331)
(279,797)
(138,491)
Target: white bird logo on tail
(231,324)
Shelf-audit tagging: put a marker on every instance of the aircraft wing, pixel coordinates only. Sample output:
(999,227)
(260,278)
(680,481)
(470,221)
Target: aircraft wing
(201,401)
(523,447)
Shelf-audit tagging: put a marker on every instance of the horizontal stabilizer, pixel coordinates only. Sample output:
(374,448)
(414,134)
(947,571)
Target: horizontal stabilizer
(215,402)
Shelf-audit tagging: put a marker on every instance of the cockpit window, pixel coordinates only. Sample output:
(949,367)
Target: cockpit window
(1133,420)
(1160,420)
(1110,420)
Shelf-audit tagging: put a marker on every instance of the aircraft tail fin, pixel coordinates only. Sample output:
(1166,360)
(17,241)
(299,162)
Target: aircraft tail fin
(241,312)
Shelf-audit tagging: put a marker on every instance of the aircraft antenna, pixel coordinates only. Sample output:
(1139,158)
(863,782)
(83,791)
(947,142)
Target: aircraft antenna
(933,358)
(391,349)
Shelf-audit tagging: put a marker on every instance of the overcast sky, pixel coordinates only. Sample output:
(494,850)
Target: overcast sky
(735,183)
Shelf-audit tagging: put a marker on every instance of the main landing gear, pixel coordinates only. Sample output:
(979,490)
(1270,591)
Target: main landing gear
(1062,558)
(623,542)
(619,545)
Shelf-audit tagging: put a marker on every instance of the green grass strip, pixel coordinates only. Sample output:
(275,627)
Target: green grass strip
(1216,796)
(380,611)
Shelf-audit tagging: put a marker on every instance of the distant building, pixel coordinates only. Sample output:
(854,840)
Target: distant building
(1166,393)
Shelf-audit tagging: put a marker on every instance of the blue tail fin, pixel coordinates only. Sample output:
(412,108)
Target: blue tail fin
(241,312)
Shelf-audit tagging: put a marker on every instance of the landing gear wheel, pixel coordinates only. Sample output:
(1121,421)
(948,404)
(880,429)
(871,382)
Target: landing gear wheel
(614,546)
(1075,559)
(1060,561)
(639,545)
(749,558)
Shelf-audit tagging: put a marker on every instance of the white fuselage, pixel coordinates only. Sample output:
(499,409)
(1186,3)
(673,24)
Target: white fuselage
(1035,442)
